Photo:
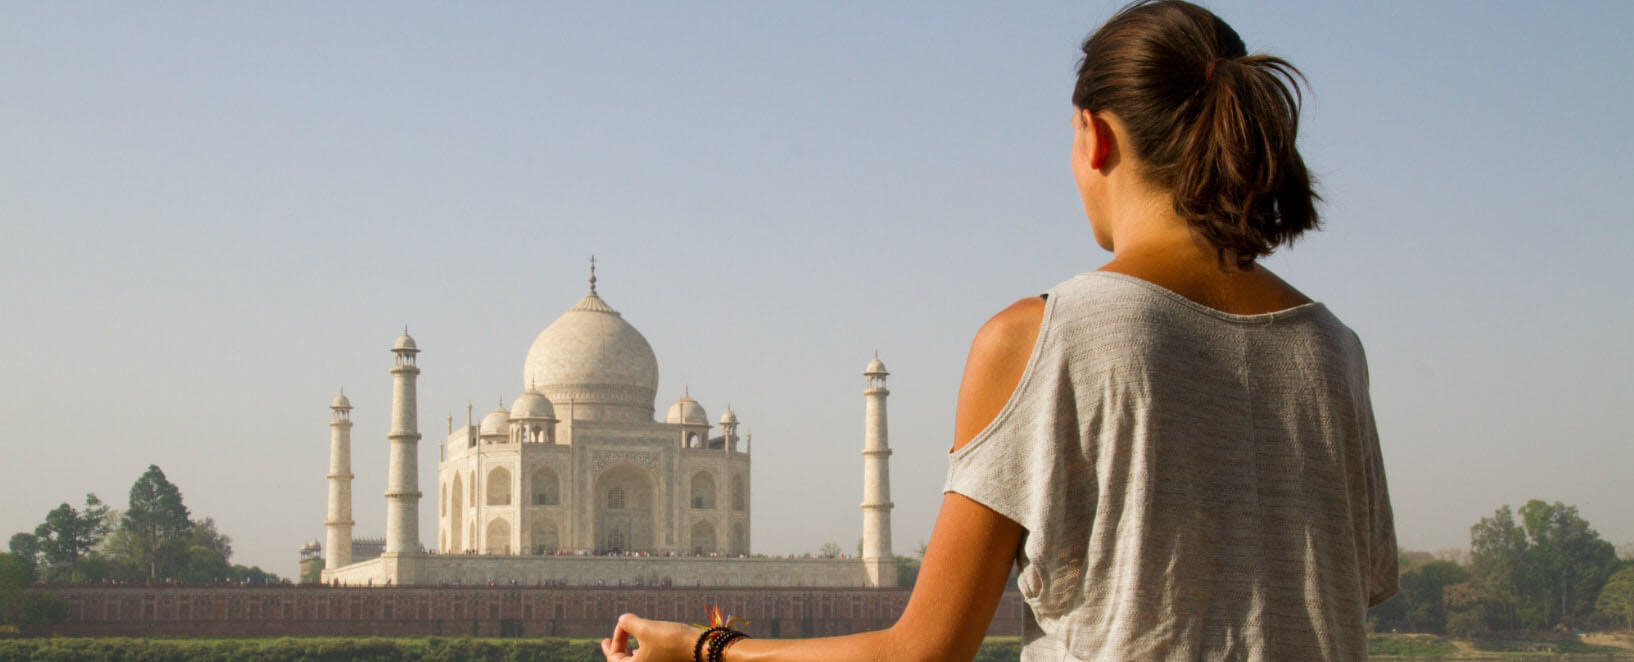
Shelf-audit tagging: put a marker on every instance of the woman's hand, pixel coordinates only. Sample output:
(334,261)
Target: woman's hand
(661,641)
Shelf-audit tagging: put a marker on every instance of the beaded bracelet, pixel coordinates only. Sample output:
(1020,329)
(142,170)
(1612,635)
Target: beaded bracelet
(698,648)
(717,646)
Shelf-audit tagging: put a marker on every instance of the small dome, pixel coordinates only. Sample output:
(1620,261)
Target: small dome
(404,343)
(875,367)
(687,411)
(497,422)
(532,405)
(729,418)
(340,402)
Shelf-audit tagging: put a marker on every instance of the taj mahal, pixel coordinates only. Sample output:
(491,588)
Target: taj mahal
(578,483)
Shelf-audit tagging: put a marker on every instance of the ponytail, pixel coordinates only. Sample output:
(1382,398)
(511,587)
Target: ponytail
(1213,125)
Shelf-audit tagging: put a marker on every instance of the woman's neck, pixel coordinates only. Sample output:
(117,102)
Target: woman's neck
(1162,249)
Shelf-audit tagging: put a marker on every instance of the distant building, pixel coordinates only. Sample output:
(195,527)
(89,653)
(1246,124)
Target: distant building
(578,483)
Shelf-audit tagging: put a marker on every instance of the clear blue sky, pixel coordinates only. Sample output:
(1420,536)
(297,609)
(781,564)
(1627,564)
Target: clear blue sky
(213,215)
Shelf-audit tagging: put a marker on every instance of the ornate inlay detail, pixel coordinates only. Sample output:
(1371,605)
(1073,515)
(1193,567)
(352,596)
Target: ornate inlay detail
(603,459)
(595,394)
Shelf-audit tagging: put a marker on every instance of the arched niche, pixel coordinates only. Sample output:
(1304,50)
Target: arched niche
(623,512)
(499,536)
(703,538)
(499,486)
(546,488)
(703,491)
(546,537)
(740,495)
(456,515)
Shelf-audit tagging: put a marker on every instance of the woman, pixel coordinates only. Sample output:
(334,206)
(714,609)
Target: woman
(1177,449)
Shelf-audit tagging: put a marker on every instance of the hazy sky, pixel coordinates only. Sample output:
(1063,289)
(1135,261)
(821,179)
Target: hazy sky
(212,215)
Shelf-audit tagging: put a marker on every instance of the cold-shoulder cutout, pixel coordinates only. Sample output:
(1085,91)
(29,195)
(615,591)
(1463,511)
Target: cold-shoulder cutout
(998,358)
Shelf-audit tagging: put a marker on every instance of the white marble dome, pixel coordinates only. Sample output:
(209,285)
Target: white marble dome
(497,422)
(593,361)
(405,343)
(687,411)
(340,402)
(532,405)
(875,367)
(730,417)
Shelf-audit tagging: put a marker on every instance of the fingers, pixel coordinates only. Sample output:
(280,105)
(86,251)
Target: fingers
(612,653)
(632,624)
(621,638)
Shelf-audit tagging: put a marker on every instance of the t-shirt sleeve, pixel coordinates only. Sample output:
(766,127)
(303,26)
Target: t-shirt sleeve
(1008,463)
(1382,581)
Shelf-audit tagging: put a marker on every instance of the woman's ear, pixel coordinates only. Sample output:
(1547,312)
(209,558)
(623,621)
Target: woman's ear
(1098,138)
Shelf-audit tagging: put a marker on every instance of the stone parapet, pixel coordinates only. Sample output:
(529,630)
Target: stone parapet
(679,571)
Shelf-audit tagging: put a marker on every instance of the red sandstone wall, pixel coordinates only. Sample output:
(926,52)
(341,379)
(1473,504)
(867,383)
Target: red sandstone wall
(467,611)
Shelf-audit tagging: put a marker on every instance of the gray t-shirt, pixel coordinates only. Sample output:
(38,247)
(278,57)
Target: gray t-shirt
(1194,484)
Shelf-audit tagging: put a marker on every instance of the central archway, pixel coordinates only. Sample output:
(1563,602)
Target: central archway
(624,511)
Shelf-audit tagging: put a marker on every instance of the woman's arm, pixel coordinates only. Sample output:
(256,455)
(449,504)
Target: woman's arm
(966,562)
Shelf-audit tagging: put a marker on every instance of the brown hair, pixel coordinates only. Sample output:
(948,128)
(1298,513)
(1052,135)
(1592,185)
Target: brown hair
(1213,124)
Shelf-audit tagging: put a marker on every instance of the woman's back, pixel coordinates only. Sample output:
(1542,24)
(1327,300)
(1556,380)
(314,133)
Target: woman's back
(1194,484)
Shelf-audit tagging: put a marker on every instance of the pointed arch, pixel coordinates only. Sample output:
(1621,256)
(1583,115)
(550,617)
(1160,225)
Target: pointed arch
(546,537)
(499,536)
(546,487)
(703,491)
(456,516)
(703,538)
(499,486)
(624,517)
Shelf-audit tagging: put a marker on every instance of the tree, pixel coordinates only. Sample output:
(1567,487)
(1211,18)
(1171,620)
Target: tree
(829,550)
(156,524)
(1545,569)
(15,576)
(1497,547)
(203,566)
(1617,597)
(67,535)
(253,575)
(312,571)
(1421,605)
(204,534)
(1569,562)
(26,548)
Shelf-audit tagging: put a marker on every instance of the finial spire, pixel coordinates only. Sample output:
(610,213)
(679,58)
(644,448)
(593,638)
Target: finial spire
(592,274)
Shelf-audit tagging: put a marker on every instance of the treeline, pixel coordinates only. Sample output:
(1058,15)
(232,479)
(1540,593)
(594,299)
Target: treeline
(1541,568)
(155,539)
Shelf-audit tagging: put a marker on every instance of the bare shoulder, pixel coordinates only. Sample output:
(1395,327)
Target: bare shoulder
(998,357)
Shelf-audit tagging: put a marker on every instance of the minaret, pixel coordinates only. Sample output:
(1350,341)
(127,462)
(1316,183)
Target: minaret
(337,548)
(876,482)
(403,472)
